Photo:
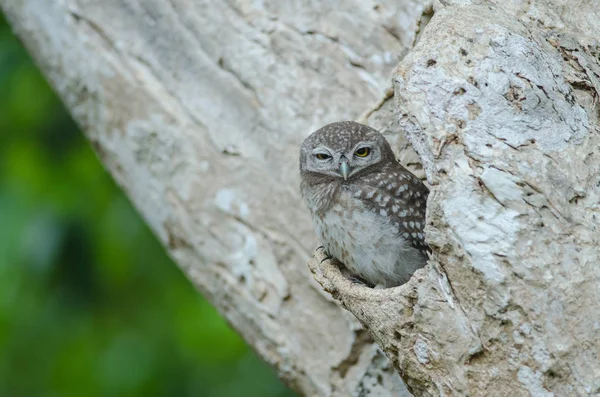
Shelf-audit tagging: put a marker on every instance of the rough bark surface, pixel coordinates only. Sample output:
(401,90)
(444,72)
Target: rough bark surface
(198,110)
(501,103)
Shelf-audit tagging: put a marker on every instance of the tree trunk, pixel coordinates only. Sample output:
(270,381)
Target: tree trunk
(501,105)
(198,110)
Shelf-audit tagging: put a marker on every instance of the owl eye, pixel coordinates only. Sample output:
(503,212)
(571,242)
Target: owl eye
(322,156)
(362,152)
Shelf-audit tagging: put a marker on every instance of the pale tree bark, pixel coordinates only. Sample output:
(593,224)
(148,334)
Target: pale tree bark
(501,104)
(198,108)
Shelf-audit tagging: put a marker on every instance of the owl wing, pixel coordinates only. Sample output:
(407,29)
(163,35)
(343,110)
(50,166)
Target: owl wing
(398,195)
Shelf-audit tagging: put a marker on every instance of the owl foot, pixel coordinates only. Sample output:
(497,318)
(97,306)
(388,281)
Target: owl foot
(354,279)
(358,280)
(327,256)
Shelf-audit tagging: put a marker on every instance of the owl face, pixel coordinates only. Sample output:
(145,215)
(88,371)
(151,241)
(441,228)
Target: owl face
(342,150)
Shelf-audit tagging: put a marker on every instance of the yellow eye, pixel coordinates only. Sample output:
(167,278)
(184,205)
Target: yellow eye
(322,156)
(362,152)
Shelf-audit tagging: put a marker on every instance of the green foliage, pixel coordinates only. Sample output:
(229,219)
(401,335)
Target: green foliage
(90,305)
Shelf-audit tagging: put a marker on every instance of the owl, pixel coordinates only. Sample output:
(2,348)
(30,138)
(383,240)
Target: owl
(368,211)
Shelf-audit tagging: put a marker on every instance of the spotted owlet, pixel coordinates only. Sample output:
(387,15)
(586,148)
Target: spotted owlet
(368,210)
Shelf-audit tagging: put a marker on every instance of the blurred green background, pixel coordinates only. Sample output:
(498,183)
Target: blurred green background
(90,305)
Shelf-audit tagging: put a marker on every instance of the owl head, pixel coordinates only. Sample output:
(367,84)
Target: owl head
(343,150)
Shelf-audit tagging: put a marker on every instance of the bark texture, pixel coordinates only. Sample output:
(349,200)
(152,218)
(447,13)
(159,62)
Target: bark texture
(500,102)
(198,109)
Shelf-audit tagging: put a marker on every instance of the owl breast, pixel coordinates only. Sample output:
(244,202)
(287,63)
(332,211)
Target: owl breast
(367,243)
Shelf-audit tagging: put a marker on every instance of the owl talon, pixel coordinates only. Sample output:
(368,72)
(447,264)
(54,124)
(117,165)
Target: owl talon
(327,256)
(360,281)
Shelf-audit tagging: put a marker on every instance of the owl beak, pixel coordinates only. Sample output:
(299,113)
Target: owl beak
(345,169)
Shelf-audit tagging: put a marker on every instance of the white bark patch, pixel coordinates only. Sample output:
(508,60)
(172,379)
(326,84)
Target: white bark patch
(503,187)
(532,381)
(420,349)
(227,201)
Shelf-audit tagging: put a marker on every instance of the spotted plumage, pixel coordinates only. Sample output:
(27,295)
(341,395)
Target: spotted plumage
(368,210)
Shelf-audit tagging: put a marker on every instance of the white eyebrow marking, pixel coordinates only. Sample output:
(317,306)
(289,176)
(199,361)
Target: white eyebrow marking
(321,149)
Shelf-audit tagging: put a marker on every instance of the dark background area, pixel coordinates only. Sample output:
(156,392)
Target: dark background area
(90,305)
